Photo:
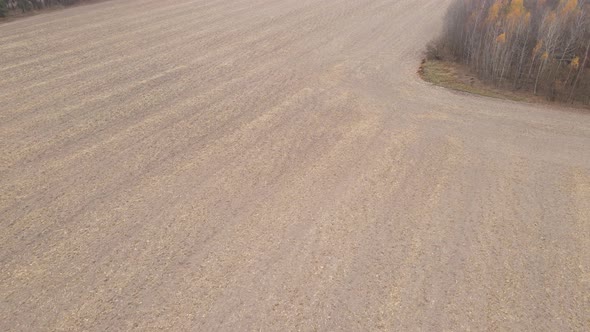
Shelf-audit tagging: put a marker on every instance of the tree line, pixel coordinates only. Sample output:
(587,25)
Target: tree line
(541,45)
(26,5)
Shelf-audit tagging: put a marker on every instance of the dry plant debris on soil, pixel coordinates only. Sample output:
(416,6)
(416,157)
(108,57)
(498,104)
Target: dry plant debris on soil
(277,165)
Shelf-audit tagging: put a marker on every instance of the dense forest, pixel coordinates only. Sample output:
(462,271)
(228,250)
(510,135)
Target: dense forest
(537,45)
(26,5)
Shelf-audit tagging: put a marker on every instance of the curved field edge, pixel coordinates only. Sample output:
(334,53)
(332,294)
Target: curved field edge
(457,77)
(12,15)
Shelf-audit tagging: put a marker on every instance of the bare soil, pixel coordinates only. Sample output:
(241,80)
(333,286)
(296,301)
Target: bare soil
(277,165)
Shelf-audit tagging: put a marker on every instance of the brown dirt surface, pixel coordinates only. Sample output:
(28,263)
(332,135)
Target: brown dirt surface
(277,165)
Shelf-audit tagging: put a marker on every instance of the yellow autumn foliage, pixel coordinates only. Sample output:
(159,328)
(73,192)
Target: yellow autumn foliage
(494,11)
(527,18)
(538,47)
(530,43)
(516,10)
(575,62)
(568,6)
